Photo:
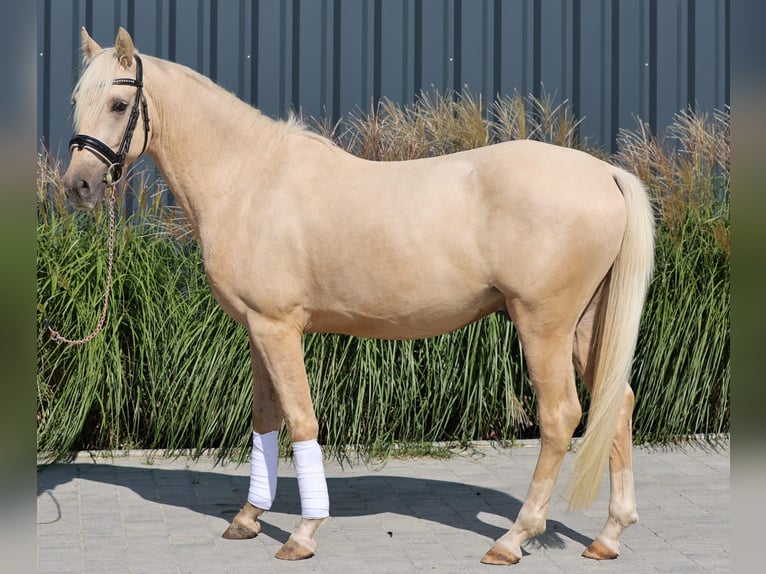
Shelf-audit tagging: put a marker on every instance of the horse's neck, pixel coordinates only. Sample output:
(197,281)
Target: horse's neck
(202,136)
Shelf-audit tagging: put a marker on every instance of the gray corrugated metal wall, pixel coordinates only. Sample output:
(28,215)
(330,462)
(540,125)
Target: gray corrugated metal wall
(611,59)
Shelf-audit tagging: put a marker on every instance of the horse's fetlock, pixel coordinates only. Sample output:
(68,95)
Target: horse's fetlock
(533,523)
(624,516)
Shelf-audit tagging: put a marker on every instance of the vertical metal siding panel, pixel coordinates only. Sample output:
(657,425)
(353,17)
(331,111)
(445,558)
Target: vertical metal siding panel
(365,71)
(515,50)
(565,59)
(310,93)
(147,34)
(243,58)
(670,72)
(487,44)
(653,57)
(690,52)
(612,60)
(161,15)
(497,49)
(614,91)
(104,16)
(324,97)
(642,110)
(225,55)
(707,46)
(417,48)
(267,68)
(528,51)
(631,66)
(433,41)
(185,45)
(393,50)
(336,53)
(43,73)
(283,59)
(405,95)
(605,57)
(591,73)
(202,37)
(63,74)
(727,48)
(469,59)
(455,32)
(119,15)
(576,60)
(550,45)
(293,101)
(377,47)
(352,69)
(253,52)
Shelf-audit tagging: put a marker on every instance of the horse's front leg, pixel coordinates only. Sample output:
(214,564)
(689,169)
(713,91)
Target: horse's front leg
(276,347)
(267,420)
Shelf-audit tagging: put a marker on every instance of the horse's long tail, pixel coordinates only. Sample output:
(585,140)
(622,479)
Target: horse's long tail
(615,337)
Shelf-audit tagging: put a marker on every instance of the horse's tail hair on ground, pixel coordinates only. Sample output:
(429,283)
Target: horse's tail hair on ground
(615,338)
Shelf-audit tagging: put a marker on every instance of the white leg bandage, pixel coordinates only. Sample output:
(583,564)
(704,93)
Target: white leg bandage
(312,486)
(263,470)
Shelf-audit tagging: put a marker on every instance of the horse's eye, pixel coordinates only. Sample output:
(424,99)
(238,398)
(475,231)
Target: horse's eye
(119,106)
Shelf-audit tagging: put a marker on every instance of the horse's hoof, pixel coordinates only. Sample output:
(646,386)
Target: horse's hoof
(237,531)
(500,556)
(598,551)
(296,550)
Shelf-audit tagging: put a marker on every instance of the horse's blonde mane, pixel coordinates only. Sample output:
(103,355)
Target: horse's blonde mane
(91,90)
(295,125)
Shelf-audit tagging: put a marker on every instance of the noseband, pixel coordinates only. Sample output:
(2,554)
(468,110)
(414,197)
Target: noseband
(115,161)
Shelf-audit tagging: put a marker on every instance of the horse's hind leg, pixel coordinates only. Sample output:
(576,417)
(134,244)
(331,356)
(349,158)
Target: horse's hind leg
(267,420)
(549,360)
(622,498)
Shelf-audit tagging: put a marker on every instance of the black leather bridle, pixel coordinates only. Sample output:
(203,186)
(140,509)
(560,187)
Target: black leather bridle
(115,161)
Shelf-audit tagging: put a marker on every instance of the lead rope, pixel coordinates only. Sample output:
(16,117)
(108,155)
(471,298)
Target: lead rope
(55,335)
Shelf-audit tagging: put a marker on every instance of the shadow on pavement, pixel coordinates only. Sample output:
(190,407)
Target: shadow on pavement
(221,495)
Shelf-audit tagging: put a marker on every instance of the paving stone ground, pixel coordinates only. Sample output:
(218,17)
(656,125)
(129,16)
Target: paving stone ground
(146,514)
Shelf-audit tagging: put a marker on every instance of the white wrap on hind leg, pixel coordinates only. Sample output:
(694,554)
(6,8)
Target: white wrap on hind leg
(312,485)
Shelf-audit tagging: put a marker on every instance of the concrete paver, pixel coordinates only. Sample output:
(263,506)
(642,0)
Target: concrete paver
(147,514)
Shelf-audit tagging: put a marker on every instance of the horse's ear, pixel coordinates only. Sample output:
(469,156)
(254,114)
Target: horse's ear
(124,46)
(89,46)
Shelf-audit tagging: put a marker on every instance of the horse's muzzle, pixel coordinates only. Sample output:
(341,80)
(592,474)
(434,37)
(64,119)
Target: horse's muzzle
(83,194)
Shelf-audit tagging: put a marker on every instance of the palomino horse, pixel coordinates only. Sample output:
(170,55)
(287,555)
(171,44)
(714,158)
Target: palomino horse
(299,236)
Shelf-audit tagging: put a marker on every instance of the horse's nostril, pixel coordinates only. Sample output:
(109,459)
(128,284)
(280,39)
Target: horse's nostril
(84,185)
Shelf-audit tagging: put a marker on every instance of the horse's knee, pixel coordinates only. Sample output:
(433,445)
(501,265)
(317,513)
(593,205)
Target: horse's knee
(266,419)
(302,428)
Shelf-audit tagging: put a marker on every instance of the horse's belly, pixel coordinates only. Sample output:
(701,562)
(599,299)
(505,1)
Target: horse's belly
(428,319)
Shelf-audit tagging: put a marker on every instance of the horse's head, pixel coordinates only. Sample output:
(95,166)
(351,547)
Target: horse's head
(109,101)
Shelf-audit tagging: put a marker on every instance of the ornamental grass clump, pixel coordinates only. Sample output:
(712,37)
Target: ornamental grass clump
(681,373)
(171,370)
(440,123)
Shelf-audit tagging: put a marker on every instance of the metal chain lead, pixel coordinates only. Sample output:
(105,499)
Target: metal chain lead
(55,335)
